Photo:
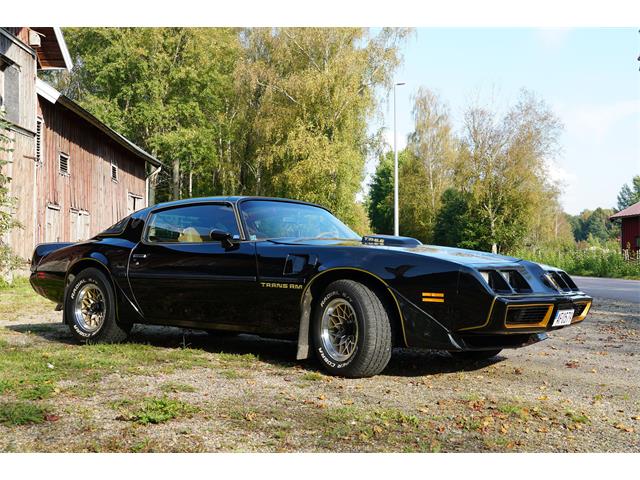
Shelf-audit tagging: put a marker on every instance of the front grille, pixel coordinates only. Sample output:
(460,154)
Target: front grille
(529,315)
(579,308)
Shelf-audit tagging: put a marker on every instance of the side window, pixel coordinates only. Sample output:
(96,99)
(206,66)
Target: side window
(191,224)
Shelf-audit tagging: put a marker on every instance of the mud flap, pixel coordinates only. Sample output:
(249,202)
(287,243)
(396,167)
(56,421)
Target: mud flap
(303,332)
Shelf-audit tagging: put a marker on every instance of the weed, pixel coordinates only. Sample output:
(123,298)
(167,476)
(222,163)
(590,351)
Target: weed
(21,413)
(312,376)
(173,387)
(160,410)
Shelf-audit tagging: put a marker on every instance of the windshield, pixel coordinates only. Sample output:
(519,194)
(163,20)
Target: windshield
(268,219)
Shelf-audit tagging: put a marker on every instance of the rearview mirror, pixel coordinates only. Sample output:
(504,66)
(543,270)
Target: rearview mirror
(225,238)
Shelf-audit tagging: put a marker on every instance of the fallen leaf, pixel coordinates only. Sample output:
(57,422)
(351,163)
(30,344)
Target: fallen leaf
(543,398)
(624,428)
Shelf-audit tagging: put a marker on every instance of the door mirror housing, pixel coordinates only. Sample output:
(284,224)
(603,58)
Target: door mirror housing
(225,238)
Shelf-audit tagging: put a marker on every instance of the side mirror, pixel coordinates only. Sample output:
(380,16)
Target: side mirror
(225,238)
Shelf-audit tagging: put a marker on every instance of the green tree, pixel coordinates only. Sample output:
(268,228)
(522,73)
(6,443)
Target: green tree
(629,194)
(430,169)
(453,225)
(380,204)
(594,225)
(502,165)
(170,90)
(309,94)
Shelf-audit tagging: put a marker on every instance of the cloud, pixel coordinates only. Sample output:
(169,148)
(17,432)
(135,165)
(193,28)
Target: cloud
(594,122)
(552,38)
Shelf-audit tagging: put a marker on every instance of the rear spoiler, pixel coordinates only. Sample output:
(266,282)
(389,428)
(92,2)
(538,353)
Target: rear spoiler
(44,249)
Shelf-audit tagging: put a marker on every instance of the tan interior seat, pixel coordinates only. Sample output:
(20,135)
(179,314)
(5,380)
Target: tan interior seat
(190,235)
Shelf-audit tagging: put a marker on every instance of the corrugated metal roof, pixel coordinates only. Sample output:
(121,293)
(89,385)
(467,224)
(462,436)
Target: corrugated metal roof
(632,211)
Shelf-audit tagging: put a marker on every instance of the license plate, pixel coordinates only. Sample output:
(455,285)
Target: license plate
(563,317)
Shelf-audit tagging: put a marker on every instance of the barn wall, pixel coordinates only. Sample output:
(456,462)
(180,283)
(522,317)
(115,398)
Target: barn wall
(21,168)
(89,187)
(25,59)
(630,230)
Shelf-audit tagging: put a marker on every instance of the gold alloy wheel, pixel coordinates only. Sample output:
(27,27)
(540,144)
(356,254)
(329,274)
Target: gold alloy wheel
(339,329)
(90,308)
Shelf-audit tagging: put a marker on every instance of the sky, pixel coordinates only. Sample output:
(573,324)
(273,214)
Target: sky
(588,77)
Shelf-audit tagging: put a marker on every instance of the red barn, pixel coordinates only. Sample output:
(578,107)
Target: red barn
(630,217)
(72,175)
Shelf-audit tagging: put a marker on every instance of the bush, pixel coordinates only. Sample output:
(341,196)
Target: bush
(591,259)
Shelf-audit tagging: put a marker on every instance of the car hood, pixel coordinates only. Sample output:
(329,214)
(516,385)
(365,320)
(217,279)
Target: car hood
(462,256)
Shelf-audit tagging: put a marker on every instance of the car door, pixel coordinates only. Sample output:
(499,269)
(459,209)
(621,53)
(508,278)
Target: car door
(180,276)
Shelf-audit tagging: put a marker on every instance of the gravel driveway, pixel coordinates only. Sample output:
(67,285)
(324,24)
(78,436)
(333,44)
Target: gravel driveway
(579,391)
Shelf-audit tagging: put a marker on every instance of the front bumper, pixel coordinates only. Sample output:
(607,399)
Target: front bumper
(504,312)
(499,326)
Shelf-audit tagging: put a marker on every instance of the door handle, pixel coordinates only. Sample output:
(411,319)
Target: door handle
(140,256)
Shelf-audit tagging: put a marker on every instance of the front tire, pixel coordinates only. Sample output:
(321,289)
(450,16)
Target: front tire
(351,330)
(90,309)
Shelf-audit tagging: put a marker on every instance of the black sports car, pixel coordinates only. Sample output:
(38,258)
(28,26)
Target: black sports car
(286,268)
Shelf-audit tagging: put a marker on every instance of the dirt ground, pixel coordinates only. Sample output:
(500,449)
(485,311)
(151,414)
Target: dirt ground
(180,390)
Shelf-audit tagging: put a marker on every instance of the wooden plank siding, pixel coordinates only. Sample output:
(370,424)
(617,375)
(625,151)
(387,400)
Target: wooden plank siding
(52,206)
(88,187)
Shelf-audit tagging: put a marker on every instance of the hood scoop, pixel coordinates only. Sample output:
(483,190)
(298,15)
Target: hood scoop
(390,241)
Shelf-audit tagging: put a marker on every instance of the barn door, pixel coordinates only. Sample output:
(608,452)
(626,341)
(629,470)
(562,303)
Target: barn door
(79,225)
(134,203)
(52,231)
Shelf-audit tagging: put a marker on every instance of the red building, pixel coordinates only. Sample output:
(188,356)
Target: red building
(71,175)
(630,217)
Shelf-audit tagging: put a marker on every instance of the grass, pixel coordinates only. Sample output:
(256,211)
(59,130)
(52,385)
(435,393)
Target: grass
(158,410)
(246,360)
(174,387)
(21,413)
(590,260)
(514,410)
(19,298)
(32,371)
(312,377)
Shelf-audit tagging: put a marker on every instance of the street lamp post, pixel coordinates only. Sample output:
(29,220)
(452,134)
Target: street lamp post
(396,209)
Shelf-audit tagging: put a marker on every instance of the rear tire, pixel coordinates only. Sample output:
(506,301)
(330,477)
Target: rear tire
(90,309)
(351,331)
(475,355)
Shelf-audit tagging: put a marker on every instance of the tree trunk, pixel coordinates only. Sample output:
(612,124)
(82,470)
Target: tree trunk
(176,179)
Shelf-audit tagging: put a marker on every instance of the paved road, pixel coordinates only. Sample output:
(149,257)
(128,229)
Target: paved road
(610,288)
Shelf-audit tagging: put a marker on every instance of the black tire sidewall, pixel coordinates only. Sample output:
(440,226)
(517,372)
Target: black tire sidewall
(86,277)
(321,353)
